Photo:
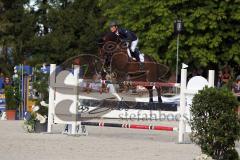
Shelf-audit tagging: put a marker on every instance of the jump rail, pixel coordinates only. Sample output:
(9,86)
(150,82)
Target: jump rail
(60,92)
(131,126)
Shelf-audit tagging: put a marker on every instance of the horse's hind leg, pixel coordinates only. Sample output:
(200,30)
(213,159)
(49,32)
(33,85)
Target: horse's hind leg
(159,92)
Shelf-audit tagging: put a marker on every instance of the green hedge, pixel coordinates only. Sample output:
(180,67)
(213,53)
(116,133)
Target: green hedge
(215,123)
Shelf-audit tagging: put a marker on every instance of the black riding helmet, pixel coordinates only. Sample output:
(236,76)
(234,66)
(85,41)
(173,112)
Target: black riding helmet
(113,23)
(238,78)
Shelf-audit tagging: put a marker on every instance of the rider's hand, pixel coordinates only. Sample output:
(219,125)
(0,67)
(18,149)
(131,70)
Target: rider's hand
(127,43)
(125,40)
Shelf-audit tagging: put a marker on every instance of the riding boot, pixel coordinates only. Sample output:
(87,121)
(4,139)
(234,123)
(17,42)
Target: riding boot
(138,58)
(136,55)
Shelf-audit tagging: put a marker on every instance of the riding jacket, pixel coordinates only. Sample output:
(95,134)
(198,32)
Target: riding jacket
(126,34)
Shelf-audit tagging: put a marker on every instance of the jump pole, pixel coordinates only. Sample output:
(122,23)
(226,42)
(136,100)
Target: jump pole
(131,126)
(157,84)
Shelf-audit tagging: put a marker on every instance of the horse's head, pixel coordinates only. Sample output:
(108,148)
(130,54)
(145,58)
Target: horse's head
(110,36)
(110,44)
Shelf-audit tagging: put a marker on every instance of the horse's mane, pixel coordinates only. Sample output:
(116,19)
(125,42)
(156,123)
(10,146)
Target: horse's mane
(110,36)
(106,37)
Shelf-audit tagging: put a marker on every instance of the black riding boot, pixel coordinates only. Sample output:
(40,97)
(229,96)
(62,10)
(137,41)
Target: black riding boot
(135,54)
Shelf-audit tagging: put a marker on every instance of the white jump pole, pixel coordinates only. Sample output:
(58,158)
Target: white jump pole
(51,96)
(182,125)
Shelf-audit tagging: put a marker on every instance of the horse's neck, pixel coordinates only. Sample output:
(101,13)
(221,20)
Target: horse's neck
(111,37)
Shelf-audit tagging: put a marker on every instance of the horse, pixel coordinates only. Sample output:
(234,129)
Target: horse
(114,51)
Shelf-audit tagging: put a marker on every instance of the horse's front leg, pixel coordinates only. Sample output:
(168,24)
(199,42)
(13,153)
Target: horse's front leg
(159,92)
(150,90)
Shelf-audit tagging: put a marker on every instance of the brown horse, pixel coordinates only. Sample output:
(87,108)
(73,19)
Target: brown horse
(116,59)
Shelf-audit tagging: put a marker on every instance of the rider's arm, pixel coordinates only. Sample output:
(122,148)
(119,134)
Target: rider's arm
(124,34)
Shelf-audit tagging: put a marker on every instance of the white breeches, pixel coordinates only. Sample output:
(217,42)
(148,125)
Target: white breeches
(132,47)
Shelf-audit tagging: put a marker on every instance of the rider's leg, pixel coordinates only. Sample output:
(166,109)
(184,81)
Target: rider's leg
(129,53)
(133,49)
(136,55)
(134,45)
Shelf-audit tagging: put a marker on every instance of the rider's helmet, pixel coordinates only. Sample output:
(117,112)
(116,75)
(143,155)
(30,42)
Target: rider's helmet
(113,23)
(238,78)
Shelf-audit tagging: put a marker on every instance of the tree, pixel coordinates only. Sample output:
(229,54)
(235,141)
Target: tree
(211,29)
(15,33)
(68,29)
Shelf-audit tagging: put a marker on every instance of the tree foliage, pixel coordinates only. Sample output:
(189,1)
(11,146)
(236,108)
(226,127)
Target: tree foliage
(211,33)
(14,33)
(54,30)
(66,29)
(47,30)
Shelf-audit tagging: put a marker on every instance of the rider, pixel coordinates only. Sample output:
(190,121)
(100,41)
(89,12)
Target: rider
(127,36)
